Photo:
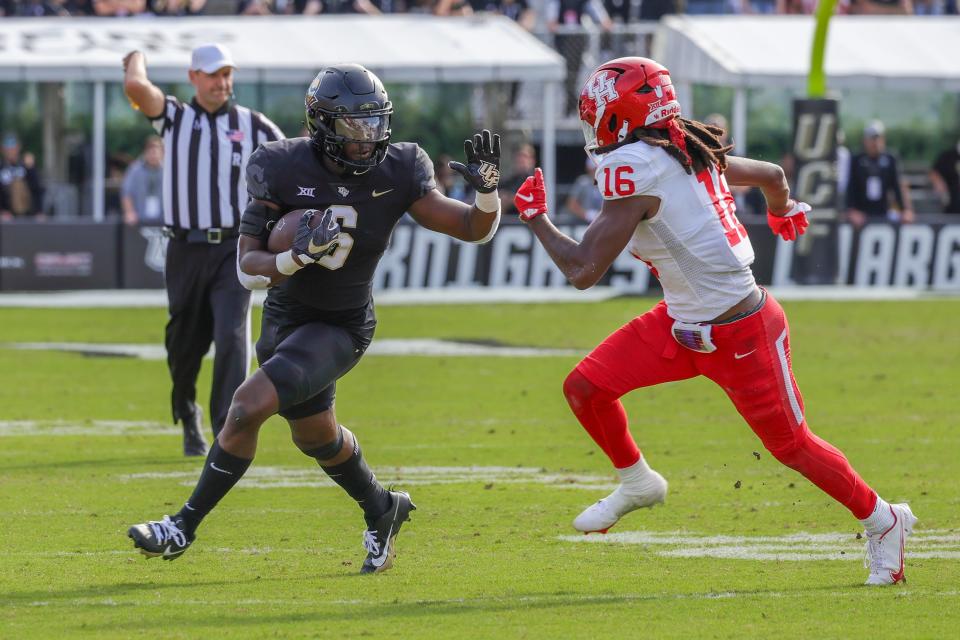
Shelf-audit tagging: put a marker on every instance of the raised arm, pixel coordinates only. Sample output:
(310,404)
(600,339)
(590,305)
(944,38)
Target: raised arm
(583,263)
(143,94)
(768,177)
(477,223)
(786,217)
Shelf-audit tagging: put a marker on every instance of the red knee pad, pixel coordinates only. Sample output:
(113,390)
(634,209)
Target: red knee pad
(579,391)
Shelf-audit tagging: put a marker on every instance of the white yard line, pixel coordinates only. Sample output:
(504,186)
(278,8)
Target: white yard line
(385,347)
(478,295)
(282,477)
(800,547)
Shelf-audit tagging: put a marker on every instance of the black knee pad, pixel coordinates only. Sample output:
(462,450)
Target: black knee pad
(329,450)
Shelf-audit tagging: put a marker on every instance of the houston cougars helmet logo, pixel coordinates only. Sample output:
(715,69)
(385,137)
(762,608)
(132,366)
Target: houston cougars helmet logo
(601,90)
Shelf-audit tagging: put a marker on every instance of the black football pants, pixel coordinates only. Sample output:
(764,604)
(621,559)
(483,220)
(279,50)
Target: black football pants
(206,304)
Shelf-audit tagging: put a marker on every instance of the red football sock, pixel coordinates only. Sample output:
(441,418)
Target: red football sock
(602,415)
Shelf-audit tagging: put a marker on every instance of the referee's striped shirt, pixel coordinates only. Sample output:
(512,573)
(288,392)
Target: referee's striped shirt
(205,159)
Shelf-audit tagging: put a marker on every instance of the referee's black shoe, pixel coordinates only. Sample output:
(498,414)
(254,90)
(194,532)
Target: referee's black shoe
(380,540)
(160,538)
(194,443)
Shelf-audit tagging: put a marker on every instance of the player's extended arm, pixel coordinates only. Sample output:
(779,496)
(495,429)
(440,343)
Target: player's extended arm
(439,213)
(143,94)
(786,217)
(583,263)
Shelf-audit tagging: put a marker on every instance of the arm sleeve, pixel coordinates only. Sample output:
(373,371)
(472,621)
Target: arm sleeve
(164,121)
(259,176)
(424,180)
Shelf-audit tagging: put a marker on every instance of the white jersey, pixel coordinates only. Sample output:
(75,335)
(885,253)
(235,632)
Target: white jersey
(695,245)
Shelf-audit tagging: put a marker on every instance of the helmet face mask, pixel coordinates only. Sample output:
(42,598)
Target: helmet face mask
(623,95)
(347,105)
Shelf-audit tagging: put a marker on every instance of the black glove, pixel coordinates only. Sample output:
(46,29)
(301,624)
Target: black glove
(482,170)
(314,242)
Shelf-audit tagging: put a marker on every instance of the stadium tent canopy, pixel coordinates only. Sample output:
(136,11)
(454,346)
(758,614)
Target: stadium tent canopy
(897,53)
(282,49)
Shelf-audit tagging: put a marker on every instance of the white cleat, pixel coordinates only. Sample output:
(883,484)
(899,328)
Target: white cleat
(600,516)
(885,550)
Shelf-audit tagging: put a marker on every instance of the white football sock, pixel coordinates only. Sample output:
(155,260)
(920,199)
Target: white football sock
(638,478)
(880,520)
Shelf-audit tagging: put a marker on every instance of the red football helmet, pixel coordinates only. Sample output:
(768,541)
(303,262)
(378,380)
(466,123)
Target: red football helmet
(623,95)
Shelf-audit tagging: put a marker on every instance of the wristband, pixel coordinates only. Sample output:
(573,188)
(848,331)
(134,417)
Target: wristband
(487,202)
(286,264)
(527,217)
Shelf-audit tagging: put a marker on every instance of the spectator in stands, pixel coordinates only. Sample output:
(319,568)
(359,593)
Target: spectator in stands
(176,8)
(21,193)
(255,7)
(349,6)
(799,7)
(517,10)
(449,182)
(299,7)
(620,11)
(142,193)
(874,178)
(564,19)
(79,8)
(524,162)
(38,8)
(843,166)
(882,7)
(585,200)
(945,176)
(119,8)
(656,9)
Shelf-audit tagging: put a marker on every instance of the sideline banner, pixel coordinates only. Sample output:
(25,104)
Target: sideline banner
(44,256)
(53,255)
(815,154)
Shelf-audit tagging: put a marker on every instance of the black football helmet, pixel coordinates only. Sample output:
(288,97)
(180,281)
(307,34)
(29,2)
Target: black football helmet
(347,103)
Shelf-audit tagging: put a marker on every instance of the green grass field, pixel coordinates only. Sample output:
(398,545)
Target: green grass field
(499,468)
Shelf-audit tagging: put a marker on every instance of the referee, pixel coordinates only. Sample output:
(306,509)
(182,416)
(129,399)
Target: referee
(207,143)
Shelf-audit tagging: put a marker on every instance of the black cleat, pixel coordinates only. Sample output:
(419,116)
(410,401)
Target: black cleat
(194,443)
(380,540)
(163,538)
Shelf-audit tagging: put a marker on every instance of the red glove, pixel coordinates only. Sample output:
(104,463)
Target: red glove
(792,224)
(531,198)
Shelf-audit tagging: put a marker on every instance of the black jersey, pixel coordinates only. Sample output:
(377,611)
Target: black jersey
(290,173)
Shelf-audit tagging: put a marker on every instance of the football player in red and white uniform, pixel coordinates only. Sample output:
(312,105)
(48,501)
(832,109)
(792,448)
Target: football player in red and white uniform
(666,183)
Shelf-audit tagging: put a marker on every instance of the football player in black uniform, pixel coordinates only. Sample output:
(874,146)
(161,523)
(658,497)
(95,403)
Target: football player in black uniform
(318,318)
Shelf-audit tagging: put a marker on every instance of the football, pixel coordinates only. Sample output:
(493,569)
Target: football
(285,229)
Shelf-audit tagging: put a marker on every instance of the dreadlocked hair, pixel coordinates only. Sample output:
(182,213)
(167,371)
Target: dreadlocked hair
(702,142)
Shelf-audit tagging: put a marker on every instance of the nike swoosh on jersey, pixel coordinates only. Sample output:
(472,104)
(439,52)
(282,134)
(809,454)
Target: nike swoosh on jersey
(738,356)
(377,194)
(528,198)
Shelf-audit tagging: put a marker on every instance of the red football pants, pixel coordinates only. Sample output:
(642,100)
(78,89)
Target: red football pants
(751,364)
